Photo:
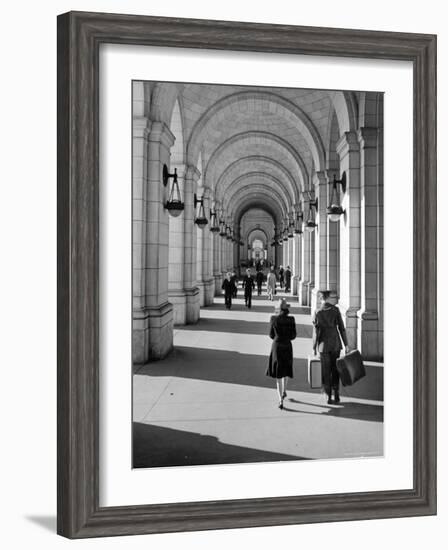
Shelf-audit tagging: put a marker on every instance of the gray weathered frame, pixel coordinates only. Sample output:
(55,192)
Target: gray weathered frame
(79,37)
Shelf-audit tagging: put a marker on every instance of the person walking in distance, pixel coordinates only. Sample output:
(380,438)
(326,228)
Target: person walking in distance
(271,283)
(282,331)
(248,285)
(288,279)
(281,276)
(229,289)
(235,283)
(260,278)
(328,331)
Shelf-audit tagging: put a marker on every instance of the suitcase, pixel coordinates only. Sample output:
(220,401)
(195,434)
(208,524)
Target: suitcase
(314,372)
(351,368)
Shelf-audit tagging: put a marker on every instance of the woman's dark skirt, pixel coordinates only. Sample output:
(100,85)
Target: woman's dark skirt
(280,360)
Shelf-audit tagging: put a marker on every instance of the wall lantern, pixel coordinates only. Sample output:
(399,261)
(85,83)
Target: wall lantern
(214,225)
(241,243)
(298,223)
(201,221)
(310,224)
(222,228)
(228,233)
(335,209)
(174,204)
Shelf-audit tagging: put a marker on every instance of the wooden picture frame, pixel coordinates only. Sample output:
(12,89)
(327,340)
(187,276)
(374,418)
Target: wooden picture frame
(79,38)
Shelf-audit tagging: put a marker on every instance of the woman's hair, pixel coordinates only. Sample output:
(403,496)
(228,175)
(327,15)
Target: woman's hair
(324,294)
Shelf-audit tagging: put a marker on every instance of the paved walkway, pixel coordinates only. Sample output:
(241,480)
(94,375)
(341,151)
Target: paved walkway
(210,401)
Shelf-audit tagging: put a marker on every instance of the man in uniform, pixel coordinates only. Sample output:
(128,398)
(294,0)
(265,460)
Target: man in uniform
(248,285)
(328,331)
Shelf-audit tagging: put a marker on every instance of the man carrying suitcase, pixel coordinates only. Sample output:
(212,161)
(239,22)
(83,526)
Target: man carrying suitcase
(328,331)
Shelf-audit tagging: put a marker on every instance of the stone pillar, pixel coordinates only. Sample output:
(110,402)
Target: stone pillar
(305,262)
(350,236)
(312,253)
(296,263)
(152,312)
(320,236)
(332,245)
(207,275)
(290,261)
(217,271)
(176,254)
(370,331)
(190,286)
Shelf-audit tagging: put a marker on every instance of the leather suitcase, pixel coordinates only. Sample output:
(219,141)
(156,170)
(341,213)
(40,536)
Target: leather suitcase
(351,368)
(314,372)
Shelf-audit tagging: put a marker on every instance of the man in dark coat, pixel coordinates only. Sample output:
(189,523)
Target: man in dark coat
(281,276)
(328,330)
(248,285)
(288,279)
(229,288)
(260,278)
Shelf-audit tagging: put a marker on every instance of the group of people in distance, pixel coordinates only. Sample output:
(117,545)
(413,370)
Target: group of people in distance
(230,284)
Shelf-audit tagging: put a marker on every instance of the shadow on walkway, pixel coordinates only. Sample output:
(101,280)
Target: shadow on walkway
(150,449)
(346,409)
(241,327)
(245,369)
(265,308)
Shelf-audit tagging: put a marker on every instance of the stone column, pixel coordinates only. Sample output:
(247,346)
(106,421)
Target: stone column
(176,254)
(333,244)
(190,286)
(370,330)
(290,253)
(350,236)
(320,236)
(296,265)
(207,276)
(312,253)
(305,261)
(217,271)
(152,312)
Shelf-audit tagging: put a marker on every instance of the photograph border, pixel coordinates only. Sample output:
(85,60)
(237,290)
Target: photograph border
(80,35)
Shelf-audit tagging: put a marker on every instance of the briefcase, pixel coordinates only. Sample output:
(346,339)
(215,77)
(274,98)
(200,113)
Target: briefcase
(314,372)
(351,368)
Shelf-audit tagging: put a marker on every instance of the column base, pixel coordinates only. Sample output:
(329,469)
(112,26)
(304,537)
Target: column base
(192,314)
(310,288)
(314,299)
(302,292)
(206,292)
(370,336)
(350,317)
(152,333)
(218,284)
(295,285)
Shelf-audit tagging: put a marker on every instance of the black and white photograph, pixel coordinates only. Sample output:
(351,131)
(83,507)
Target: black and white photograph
(257,330)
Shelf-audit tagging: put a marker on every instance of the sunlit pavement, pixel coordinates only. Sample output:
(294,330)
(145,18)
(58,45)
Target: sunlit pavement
(210,401)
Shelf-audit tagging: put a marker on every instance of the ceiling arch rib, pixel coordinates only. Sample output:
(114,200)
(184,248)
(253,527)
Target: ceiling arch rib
(257,164)
(261,199)
(257,102)
(258,196)
(257,143)
(257,233)
(345,107)
(252,181)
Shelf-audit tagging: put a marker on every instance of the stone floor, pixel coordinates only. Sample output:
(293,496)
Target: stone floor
(210,401)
